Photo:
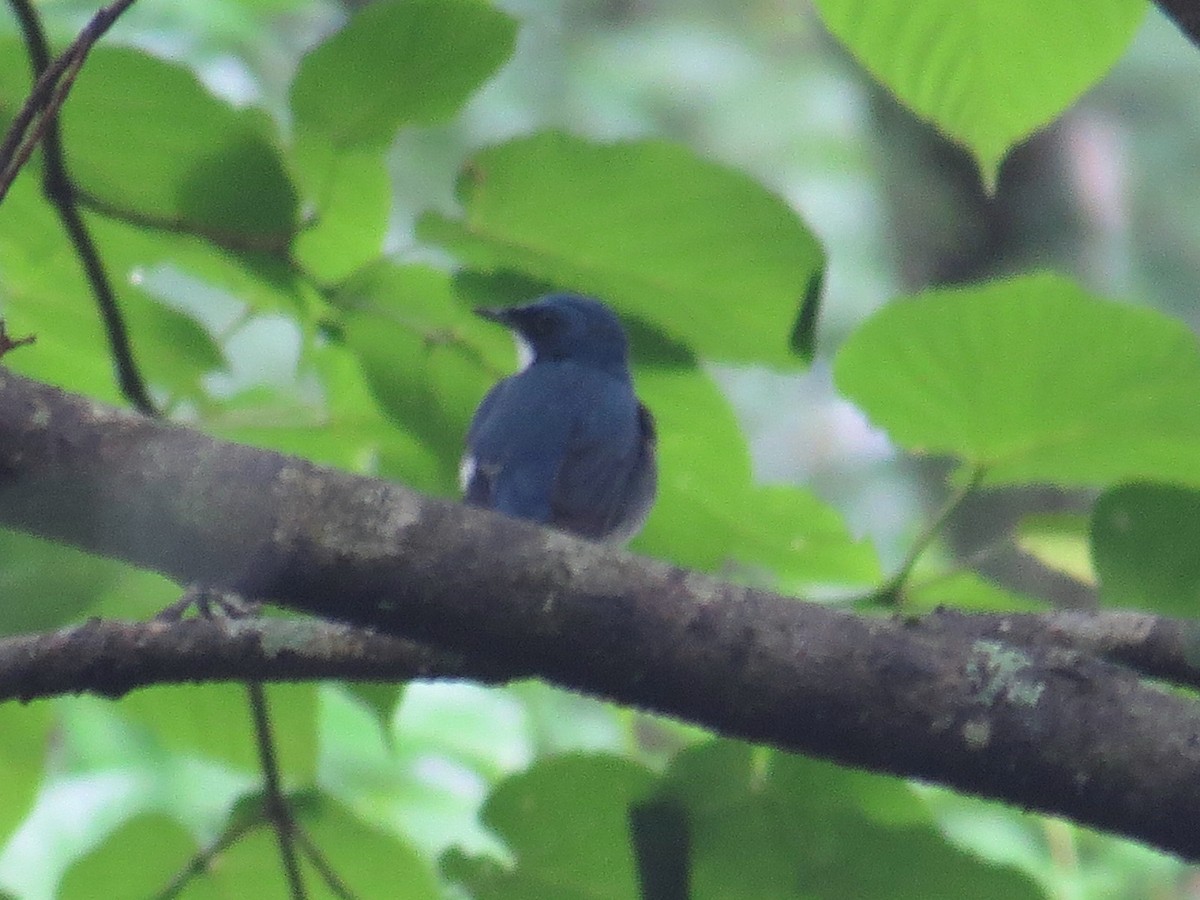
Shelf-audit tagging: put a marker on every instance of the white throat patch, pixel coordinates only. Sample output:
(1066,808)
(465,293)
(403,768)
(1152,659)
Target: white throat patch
(524,351)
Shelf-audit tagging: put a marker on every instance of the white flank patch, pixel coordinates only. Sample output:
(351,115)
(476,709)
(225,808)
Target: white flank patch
(466,471)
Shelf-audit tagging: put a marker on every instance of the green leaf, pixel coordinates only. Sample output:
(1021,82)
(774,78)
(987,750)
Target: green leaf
(699,250)
(403,779)
(1059,541)
(214,721)
(967,591)
(43,293)
(393,64)
(125,145)
(369,862)
(772,825)
(988,73)
(1144,540)
(377,697)
(138,860)
(709,514)
(44,585)
(27,730)
(566,823)
(352,198)
(428,361)
(398,63)
(1033,379)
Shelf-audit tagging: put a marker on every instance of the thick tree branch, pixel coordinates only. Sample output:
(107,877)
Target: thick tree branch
(1043,726)
(1167,649)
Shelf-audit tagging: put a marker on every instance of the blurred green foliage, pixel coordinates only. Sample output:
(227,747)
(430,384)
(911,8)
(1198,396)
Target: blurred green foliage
(297,239)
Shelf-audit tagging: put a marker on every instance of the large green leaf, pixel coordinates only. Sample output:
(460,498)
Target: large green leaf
(780,826)
(385,773)
(393,64)
(398,63)
(428,361)
(214,721)
(44,585)
(1033,379)
(709,513)
(143,134)
(566,823)
(27,731)
(988,73)
(352,199)
(1144,542)
(43,293)
(369,862)
(697,249)
(139,859)
(757,825)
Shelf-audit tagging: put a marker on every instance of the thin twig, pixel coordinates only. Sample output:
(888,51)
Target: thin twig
(20,156)
(274,243)
(10,343)
(331,878)
(200,862)
(42,100)
(56,183)
(277,807)
(890,591)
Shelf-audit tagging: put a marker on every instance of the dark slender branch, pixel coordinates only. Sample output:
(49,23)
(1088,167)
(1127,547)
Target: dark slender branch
(275,243)
(111,658)
(278,811)
(892,591)
(8,343)
(47,79)
(20,155)
(1035,723)
(336,885)
(128,376)
(202,860)
(51,78)
(60,190)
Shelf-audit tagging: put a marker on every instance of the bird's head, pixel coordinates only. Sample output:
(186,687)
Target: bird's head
(561,327)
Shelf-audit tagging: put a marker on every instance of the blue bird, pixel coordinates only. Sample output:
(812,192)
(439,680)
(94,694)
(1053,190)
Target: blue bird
(565,441)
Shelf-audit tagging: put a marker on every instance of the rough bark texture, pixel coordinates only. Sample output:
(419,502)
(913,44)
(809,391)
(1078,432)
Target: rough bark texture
(1038,723)
(112,658)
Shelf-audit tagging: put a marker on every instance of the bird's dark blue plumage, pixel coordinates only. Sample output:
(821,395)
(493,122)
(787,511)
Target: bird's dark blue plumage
(565,441)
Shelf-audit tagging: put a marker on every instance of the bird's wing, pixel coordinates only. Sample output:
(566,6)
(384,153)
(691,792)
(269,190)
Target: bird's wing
(606,483)
(516,444)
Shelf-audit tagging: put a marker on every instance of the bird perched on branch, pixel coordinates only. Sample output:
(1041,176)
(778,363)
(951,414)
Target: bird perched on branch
(565,441)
